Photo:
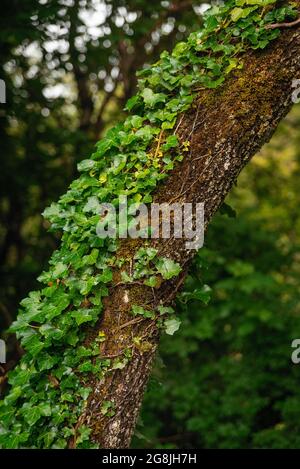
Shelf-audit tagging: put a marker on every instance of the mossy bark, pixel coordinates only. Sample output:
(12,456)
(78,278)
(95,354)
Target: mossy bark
(225,127)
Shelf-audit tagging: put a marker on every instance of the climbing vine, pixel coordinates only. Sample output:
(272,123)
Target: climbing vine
(48,388)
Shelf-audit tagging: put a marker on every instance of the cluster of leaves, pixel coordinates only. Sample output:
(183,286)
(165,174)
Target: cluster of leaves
(151,269)
(131,160)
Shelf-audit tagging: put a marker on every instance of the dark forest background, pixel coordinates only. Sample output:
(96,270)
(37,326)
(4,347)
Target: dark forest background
(226,379)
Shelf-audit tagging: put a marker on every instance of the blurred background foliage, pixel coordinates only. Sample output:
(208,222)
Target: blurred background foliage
(225,379)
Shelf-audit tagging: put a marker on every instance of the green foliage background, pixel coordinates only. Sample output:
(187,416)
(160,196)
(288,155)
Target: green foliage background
(226,378)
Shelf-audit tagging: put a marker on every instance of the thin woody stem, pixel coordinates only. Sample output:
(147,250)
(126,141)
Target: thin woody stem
(283,25)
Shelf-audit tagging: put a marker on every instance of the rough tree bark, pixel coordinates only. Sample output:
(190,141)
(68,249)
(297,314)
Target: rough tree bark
(226,127)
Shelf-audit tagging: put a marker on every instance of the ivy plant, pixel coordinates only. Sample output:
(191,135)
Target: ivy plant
(48,388)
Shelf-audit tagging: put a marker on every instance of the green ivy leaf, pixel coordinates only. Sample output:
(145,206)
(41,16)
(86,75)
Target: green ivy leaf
(139,310)
(82,316)
(151,99)
(60,270)
(167,268)
(31,413)
(86,165)
(172,325)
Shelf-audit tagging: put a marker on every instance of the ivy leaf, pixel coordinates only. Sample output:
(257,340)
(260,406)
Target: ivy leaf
(172,325)
(85,286)
(60,270)
(45,409)
(50,332)
(151,98)
(49,436)
(168,268)
(86,165)
(85,392)
(171,142)
(20,378)
(86,367)
(13,396)
(92,205)
(132,102)
(84,434)
(83,315)
(51,212)
(238,13)
(165,310)
(59,444)
(119,364)
(146,133)
(72,338)
(203,294)
(31,414)
(91,259)
(12,441)
(59,302)
(147,253)
(46,361)
(6,415)
(139,310)
(125,277)
(226,209)
(107,408)
(106,276)
(152,281)
(168,125)
(32,343)
(134,122)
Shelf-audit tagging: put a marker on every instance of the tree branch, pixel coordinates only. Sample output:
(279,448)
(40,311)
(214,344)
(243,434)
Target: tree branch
(225,127)
(283,25)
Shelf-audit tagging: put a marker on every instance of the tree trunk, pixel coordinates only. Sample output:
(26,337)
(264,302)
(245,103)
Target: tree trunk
(225,127)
